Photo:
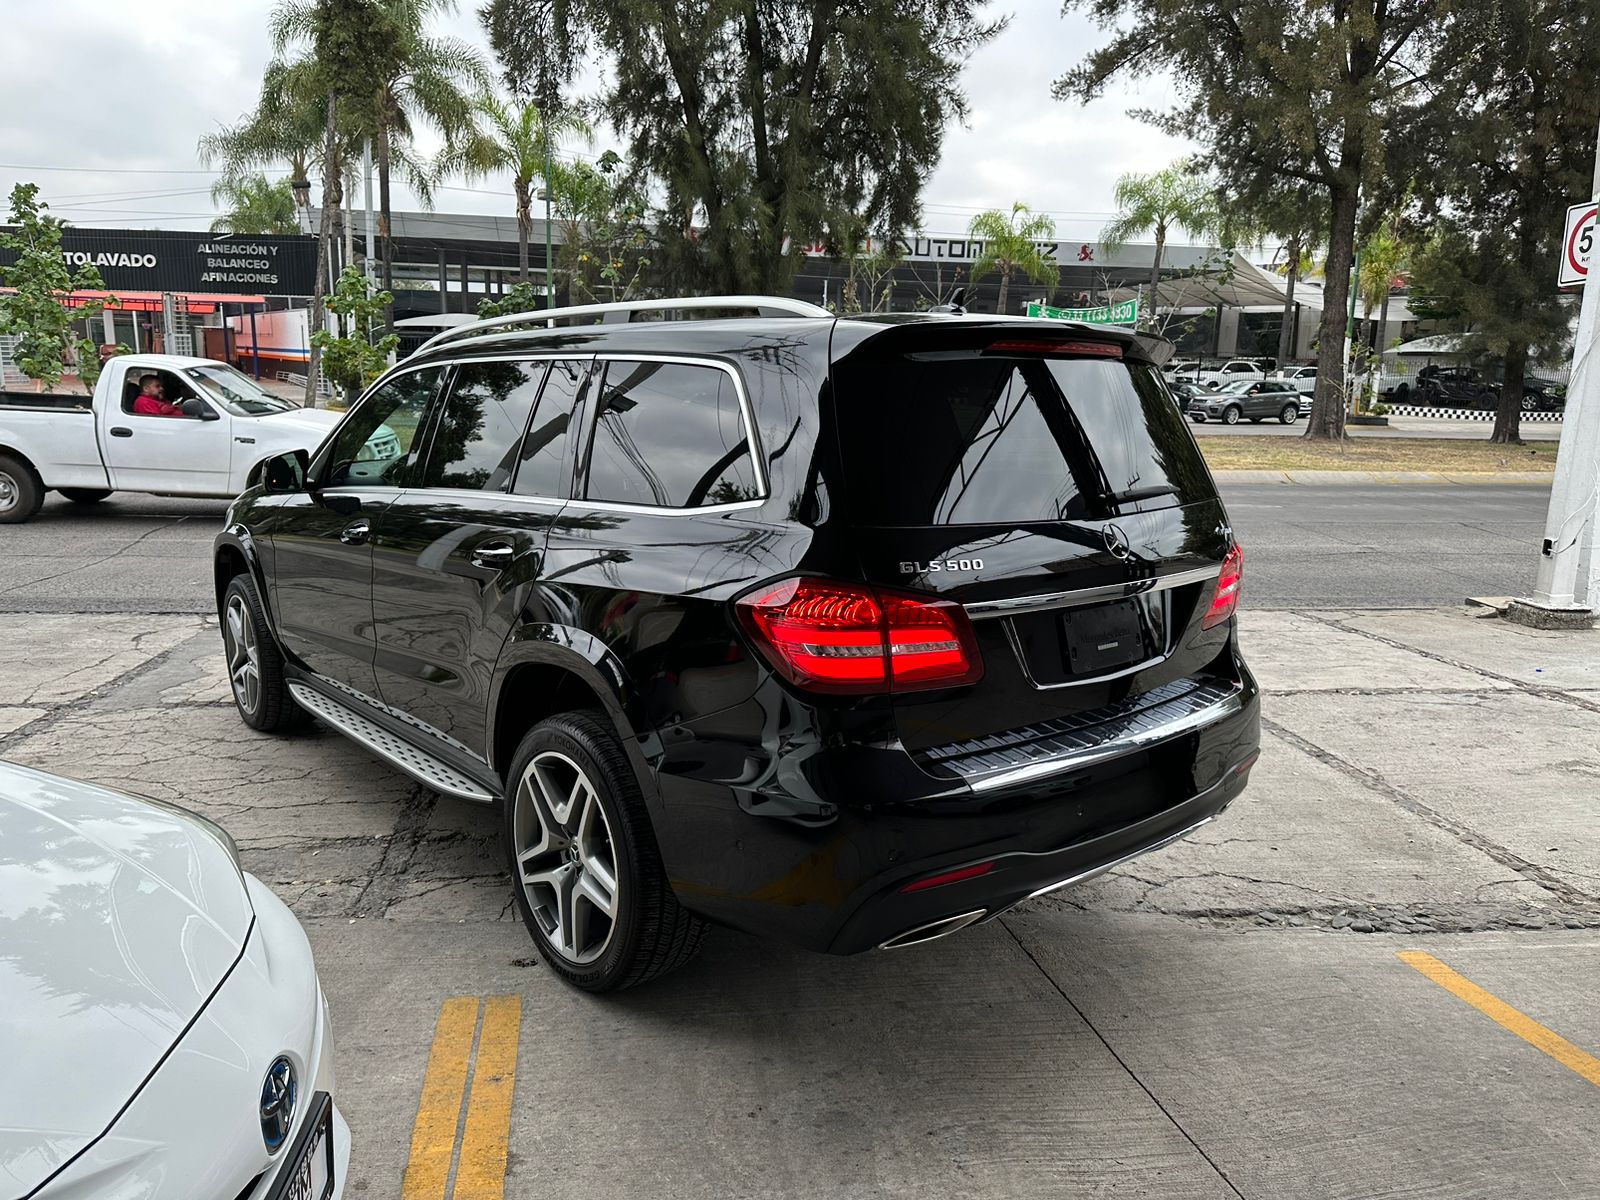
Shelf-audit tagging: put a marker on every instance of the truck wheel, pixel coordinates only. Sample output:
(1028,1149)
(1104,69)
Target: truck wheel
(85,495)
(584,862)
(21,490)
(255,668)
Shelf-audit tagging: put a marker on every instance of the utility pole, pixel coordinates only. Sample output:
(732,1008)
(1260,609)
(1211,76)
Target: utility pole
(1567,594)
(549,255)
(366,175)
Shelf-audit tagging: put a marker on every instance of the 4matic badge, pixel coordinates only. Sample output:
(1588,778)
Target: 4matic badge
(947,564)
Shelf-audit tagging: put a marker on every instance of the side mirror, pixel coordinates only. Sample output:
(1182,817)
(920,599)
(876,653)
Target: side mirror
(195,407)
(286,473)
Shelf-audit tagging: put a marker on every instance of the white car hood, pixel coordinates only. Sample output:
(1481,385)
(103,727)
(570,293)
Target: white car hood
(118,920)
(304,429)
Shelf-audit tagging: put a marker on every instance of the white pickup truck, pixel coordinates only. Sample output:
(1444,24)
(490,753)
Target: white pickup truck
(88,447)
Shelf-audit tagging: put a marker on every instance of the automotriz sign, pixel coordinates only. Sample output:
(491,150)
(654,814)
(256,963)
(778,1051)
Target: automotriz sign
(151,260)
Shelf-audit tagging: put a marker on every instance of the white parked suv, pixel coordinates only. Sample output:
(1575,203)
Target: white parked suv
(88,447)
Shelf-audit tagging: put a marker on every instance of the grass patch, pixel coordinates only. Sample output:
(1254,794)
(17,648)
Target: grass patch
(1226,453)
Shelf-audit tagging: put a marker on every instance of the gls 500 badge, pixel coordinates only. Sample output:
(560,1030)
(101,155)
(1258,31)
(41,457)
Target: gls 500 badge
(948,564)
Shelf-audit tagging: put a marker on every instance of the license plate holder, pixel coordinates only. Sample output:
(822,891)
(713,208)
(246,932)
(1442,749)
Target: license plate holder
(308,1172)
(1102,637)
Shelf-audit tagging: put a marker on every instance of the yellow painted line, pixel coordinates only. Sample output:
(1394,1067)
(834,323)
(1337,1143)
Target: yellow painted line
(1496,1009)
(481,1173)
(433,1137)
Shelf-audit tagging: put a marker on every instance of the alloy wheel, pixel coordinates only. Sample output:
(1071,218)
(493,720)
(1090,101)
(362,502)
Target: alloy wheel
(566,860)
(244,662)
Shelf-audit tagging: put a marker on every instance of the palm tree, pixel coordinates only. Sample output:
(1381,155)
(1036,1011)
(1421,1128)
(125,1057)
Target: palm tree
(519,139)
(1011,244)
(255,205)
(1177,197)
(421,80)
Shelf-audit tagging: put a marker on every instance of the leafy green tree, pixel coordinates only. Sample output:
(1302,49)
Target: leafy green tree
(1313,91)
(352,358)
(762,124)
(599,210)
(1011,246)
(1501,153)
(521,140)
(36,312)
(255,205)
(1176,197)
(519,298)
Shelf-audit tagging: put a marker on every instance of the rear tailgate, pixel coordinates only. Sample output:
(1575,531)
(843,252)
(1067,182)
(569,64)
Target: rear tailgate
(1042,478)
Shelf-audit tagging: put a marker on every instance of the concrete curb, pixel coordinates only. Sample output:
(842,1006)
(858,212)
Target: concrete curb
(1360,478)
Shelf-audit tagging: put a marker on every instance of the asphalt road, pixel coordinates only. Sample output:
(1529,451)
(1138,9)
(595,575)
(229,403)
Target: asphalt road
(1336,546)
(1398,427)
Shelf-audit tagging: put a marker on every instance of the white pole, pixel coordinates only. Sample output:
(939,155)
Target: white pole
(366,173)
(1568,561)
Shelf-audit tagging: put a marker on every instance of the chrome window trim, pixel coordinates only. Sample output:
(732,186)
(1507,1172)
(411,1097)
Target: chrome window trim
(983,609)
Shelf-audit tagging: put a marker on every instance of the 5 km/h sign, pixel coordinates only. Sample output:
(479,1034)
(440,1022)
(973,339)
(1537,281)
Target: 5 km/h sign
(1576,243)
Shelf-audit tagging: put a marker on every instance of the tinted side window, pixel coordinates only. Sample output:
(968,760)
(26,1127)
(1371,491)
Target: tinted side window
(376,445)
(541,471)
(669,435)
(475,443)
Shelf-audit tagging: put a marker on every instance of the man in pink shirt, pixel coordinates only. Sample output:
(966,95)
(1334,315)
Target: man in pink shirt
(152,401)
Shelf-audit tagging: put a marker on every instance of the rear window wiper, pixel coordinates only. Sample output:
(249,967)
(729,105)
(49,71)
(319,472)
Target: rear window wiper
(1144,493)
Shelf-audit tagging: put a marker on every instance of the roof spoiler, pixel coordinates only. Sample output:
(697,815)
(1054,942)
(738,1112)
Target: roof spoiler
(1157,349)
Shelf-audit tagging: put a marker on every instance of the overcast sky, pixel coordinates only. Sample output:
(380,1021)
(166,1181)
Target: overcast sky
(104,104)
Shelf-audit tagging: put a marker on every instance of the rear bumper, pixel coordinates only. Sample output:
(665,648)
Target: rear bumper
(815,843)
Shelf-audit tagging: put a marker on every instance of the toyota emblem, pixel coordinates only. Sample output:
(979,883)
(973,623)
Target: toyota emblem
(278,1094)
(1117,542)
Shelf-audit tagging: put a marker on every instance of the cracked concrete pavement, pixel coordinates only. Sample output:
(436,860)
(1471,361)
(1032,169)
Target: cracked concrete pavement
(1225,1018)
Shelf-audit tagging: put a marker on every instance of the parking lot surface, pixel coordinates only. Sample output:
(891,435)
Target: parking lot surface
(1255,1012)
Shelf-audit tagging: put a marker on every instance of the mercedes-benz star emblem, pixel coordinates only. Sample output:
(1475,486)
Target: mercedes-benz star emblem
(278,1094)
(1117,542)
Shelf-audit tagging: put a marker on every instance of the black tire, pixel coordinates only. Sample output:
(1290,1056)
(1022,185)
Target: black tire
(1198,418)
(1402,394)
(1289,415)
(267,706)
(1230,415)
(649,932)
(21,490)
(85,495)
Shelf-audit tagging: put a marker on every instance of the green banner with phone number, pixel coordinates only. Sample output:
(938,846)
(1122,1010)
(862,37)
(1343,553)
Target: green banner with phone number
(1126,313)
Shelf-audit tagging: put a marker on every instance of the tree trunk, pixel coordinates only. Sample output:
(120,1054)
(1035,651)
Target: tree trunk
(1155,272)
(524,228)
(1005,289)
(1286,330)
(1508,417)
(1327,407)
(385,246)
(330,172)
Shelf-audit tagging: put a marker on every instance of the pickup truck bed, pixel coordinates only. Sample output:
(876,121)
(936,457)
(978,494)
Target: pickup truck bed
(46,401)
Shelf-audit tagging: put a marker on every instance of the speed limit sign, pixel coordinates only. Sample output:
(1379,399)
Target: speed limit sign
(1576,243)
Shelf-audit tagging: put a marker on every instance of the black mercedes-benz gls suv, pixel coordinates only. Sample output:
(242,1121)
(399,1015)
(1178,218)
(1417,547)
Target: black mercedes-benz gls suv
(849,632)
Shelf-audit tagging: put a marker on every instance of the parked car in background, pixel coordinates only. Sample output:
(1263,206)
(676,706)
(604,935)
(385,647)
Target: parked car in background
(1185,391)
(86,448)
(1304,379)
(164,1032)
(1252,401)
(1543,395)
(663,598)
(1234,370)
(1454,387)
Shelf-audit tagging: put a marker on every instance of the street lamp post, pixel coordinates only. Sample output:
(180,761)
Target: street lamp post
(549,265)
(1567,594)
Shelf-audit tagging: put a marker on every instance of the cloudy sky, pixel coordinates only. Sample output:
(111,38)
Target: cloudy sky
(104,103)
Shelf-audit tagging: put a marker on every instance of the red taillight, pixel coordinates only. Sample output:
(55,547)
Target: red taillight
(825,635)
(956,876)
(1227,597)
(1021,346)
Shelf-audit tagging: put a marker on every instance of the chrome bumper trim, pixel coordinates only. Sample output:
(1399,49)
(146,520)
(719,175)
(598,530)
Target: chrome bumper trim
(979,610)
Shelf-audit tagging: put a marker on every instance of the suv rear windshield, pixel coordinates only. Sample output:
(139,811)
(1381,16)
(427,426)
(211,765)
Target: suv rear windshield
(963,438)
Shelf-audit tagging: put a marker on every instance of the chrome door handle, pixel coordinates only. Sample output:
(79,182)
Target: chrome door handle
(356,534)
(493,554)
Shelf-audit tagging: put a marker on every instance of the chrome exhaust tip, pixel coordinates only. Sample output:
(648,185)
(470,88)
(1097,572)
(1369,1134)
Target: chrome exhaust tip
(933,930)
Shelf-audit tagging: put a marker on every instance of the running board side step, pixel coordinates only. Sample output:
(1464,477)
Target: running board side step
(394,750)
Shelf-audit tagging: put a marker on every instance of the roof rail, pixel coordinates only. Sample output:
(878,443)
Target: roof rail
(764,306)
